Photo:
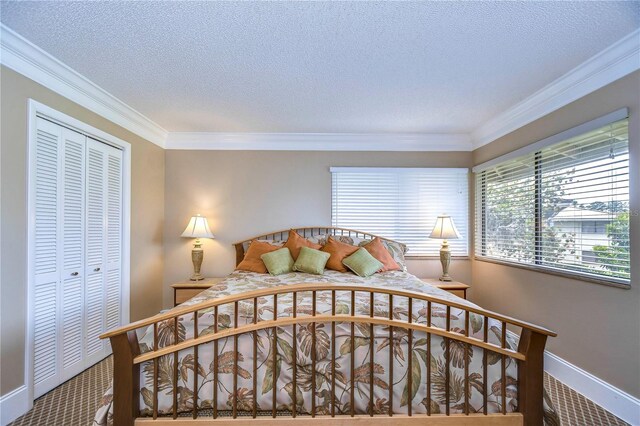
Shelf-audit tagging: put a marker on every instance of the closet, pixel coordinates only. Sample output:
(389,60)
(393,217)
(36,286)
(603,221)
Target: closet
(76,251)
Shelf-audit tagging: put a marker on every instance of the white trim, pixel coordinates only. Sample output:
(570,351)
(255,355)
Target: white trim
(26,58)
(616,61)
(36,109)
(396,170)
(320,141)
(612,399)
(14,404)
(558,137)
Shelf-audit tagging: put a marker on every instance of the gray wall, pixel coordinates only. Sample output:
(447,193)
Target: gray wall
(598,326)
(147,209)
(248,193)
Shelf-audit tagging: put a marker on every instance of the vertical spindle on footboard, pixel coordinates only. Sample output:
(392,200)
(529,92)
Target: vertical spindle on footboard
(294,339)
(353,356)
(126,384)
(175,369)
(391,356)
(313,356)
(371,344)
(155,372)
(333,355)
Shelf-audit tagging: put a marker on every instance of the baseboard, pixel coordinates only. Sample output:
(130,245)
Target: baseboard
(14,404)
(612,399)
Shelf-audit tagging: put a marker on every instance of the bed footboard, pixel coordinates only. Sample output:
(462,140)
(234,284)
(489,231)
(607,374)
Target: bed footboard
(529,358)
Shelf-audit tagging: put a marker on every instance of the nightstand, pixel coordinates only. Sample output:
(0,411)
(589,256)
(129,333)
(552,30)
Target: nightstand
(185,290)
(453,287)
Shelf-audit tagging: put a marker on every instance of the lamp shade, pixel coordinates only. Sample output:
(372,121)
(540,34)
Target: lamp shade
(198,228)
(445,229)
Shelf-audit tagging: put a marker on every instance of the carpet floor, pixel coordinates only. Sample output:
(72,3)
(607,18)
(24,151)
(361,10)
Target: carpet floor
(76,401)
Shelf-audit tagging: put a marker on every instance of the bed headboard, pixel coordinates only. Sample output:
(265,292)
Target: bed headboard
(305,232)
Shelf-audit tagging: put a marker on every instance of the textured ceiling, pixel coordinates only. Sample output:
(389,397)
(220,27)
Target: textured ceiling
(361,67)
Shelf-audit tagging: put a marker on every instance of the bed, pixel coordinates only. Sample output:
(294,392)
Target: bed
(321,348)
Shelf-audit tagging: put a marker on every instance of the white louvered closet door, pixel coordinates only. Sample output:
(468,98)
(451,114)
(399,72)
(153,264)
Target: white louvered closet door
(95,293)
(72,253)
(76,251)
(45,262)
(113,237)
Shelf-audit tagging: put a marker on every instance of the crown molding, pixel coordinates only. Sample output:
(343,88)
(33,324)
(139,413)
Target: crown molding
(616,61)
(613,63)
(320,141)
(26,58)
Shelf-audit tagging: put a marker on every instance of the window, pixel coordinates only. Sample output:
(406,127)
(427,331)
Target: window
(402,204)
(563,206)
(594,227)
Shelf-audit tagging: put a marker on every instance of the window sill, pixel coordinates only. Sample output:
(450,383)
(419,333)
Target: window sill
(551,271)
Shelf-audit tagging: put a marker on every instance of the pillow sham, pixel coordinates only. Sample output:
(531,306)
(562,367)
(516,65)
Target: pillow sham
(295,242)
(252,261)
(278,262)
(338,251)
(362,263)
(377,249)
(311,261)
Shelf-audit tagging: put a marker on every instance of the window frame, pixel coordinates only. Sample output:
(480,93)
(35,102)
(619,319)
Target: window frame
(536,149)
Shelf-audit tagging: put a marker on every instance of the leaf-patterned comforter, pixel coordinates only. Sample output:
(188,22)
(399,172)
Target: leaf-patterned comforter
(240,281)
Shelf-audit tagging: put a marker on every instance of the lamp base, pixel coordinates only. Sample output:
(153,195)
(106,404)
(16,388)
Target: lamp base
(196,259)
(445,260)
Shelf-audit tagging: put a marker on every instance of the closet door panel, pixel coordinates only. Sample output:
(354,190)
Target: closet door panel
(114,238)
(45,262)
(95,249)
(73,190)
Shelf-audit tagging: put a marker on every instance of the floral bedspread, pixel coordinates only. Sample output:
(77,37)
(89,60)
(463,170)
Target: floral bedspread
(239,282)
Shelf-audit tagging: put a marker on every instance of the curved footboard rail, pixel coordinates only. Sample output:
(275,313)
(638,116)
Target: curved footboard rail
(474,333)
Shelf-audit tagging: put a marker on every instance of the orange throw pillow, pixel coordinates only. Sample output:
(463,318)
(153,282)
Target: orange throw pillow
(338,252)
(295,242)
(252,261)
(380,252)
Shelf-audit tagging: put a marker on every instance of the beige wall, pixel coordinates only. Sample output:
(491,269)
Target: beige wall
(247,193)
(147,209)
(598,326)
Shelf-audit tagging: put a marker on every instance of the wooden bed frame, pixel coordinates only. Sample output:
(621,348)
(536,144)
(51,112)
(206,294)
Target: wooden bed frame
(127,357)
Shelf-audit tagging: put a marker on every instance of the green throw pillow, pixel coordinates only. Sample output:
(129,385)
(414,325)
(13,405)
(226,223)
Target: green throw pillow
(362,263)
(311,261)
(278,261)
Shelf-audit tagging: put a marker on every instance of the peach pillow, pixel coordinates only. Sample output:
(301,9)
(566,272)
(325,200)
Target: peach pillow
(295,242)
(338,252)
(380,252)
(252,261)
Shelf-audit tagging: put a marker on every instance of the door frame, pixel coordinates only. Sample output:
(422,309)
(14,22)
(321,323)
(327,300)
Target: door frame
(36,109)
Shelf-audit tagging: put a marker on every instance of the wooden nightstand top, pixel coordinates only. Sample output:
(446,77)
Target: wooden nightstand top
(446,285)
(204,284)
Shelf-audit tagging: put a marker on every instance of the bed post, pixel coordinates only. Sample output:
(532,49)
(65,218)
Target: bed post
(239,253)
(126,378)
(531,376)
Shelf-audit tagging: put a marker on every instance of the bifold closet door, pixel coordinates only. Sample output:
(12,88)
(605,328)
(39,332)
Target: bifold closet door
(45,263)
(104,241)
(58,262)
(72,253)
(76,184)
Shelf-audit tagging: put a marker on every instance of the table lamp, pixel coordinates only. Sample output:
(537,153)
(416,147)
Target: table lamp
(197,228)
(445,230)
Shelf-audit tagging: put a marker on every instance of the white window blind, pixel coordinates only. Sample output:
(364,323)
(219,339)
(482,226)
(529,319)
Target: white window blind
(402,204)
(563,207)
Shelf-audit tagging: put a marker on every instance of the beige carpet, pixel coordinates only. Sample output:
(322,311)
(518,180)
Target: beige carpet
(76,401)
